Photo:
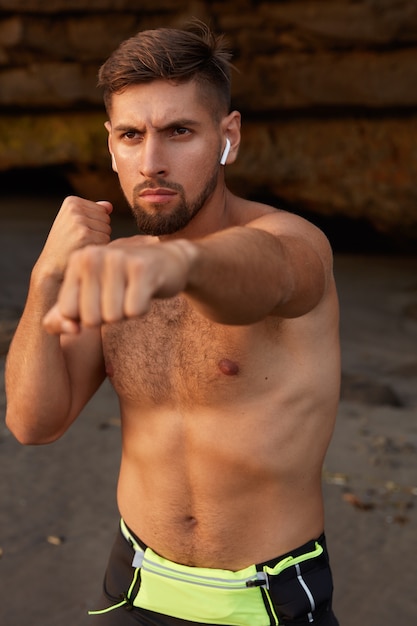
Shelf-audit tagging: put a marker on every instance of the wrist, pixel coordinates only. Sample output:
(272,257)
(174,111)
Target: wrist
(44,273)
(187,250)
(44,286)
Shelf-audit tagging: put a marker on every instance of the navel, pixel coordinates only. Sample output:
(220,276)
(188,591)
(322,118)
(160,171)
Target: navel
(228,367)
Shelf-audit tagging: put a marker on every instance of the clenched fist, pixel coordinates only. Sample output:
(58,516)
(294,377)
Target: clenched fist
(105,284)
(79,223)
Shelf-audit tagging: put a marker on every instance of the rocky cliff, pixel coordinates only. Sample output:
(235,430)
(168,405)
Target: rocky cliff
(327,90)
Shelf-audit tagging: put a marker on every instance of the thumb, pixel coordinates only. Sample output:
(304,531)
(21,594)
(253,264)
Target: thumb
(107,205)
(55,324)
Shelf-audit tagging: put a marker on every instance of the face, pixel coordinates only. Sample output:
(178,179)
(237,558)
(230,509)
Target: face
(166,150)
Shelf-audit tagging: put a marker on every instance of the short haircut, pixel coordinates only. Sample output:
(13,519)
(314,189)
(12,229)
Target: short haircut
(194,53)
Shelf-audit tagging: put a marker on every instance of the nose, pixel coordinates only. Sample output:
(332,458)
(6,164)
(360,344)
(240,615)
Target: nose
(152,159)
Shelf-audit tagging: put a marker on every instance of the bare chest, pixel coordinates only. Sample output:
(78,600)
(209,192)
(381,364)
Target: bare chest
(173,354)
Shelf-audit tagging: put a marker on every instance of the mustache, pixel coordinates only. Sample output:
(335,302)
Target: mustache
(157,183)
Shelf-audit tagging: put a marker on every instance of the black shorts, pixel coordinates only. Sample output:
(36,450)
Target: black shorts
(300,594)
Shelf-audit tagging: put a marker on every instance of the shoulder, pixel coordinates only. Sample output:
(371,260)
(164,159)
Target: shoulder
(293,230)
(285,224)
(303,245)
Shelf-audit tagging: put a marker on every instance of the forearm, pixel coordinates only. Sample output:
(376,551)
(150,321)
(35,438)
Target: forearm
(37,382)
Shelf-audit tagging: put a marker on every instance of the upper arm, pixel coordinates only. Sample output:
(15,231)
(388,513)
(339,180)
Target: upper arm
(307,261)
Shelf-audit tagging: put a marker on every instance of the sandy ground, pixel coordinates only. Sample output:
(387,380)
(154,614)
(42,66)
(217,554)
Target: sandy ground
(58,513)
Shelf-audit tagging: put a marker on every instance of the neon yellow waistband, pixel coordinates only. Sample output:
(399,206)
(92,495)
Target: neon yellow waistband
(204,595)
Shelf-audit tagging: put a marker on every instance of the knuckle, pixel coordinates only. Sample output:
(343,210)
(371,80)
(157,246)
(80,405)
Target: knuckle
(71,202)
(81,233)
(87,257)
(113,260)
(136,265)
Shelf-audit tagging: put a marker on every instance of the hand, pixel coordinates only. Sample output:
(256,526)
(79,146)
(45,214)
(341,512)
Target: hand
(106,284)
(79,223)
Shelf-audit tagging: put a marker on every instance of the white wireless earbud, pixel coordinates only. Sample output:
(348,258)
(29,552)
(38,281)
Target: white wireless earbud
(113,162)
(225,152)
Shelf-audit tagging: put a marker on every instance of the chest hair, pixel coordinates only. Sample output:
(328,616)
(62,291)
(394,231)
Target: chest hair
(169,354)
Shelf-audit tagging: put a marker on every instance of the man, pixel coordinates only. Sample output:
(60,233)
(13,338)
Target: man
(218,328)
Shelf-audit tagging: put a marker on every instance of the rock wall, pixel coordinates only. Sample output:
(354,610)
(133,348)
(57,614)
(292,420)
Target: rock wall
(328,93)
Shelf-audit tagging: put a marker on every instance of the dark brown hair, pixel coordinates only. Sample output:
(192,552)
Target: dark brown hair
(194,53)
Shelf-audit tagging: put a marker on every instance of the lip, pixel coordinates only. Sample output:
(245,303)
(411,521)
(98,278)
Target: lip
(159,195)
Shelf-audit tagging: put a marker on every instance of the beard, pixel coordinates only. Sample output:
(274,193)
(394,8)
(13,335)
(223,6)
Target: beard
(161,222)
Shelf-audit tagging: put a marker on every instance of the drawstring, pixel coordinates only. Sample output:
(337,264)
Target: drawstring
(126,602)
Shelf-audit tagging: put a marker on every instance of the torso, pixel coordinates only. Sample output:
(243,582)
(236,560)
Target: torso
(224,430)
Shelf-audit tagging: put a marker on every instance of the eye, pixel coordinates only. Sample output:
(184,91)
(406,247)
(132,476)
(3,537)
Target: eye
(129,135)
(180,131)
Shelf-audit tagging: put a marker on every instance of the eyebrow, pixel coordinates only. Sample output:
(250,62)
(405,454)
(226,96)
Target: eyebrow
(179,123)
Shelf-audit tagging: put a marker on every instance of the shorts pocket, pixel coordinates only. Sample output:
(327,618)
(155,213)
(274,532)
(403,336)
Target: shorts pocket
(119,574)
(302,591)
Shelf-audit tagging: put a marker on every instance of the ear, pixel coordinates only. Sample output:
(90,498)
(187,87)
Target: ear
(109,143)
(230,126)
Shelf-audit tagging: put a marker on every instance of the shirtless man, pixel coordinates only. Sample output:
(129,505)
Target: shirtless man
(218,328)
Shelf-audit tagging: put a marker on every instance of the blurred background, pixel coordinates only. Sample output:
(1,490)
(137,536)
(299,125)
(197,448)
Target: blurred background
(328,94)
(327,90)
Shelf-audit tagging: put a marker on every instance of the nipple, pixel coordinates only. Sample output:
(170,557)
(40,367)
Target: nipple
(109,370)
(228,368)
